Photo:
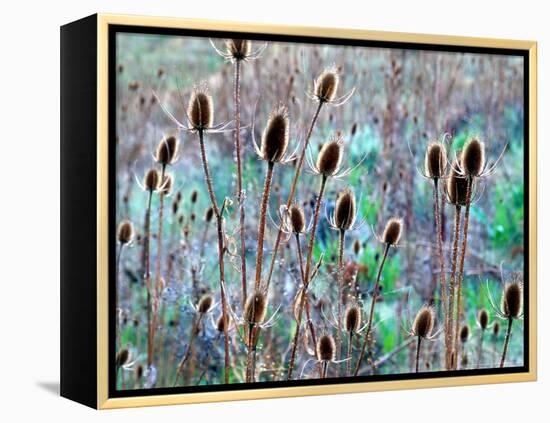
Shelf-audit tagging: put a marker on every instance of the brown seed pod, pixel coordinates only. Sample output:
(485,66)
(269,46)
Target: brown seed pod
(276,135)
(220,323)
(194,195)
(345,210)
(473,158)
(209,214)
(424,322)
(125,232)
(255,308)
(238,49)
(326,85)
(329,159)
(356,247)
(296,218)
(167,185)
(205,304)
(435,160)
(392,231)
(151,182)
(167,150)
(326,348)
(483,318)
(457,187)
(464,333)
(200,111)
(352,318)
(512,300)
(175,207)
(122,357)
(496,329)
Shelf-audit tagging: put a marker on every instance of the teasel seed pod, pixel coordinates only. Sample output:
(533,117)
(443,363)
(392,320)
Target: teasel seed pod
(255,308)
(167,185)
(122,357)
(205,304)
(297,218)
(496,329)
(151,181)
(326,85)
(512,300)
(352,318)
(194,195)
(329,159)
(392,231)
(464,333)
(473,158)
(483,318)
(220,324)
(175,207)
(435,161)
(457,187)
(209,214)
(125,232)
(167,150)
(356,247)
(326,348)
(200,111)
(345,210)
(424,322)
(275,137)
(238,49)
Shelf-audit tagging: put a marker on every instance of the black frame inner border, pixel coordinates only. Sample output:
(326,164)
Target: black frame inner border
(136,29)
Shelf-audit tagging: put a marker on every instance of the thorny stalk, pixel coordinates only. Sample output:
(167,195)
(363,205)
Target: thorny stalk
(261,224)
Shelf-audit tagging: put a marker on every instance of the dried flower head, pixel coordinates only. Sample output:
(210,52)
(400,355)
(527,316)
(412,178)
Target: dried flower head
(200,111)
(329,159)
(122,357)
(220,324)
(356,247)
(435,160)
(512,300)
(167,185)
(275,137)
(464,333)
(125,232)
(392,231)
(296,219)
(326,348)
(255,308)
(483,318)
(352,318)
(151,182)
(473,158)
(209,214)
(345,210)
(496,329)
(457,188)
(194,195)
(167,150)
(205,304)
(326,85)
(238,49)
(424,322)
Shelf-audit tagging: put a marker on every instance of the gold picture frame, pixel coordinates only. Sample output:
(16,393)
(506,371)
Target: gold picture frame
(103,21)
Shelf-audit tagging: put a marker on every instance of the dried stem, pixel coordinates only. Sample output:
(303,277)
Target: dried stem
(454,260)
(348,356)
(418,352)
(221,251)
(340,282)
(480,349)
(506,342)
(261,225)
(148,280)
(194,330)
(292,190)
(371,313)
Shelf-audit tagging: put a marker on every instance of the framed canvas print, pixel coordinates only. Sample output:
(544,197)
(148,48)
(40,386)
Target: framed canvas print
(254,211)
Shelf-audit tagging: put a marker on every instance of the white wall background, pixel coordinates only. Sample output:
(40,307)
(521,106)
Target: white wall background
(29,235)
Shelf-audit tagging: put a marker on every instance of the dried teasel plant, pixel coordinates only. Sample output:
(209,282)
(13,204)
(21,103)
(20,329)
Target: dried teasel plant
(423,329)
(325,353)
(483,324)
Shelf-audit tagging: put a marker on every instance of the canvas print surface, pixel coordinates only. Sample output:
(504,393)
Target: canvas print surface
(307,212)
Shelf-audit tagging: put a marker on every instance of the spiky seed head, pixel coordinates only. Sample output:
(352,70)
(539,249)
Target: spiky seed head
(178,197)
(483,318)
(151,182)
(392,231)
(125,232)
(220,323)
(167,185)
(175,207)
(238,49)
(194,195)
(356,247)
(201,109)
(424,322)
(276,135)
(345,210)
(255,308)
(297,218)
(473,158)
(205,304)
(326,85)
(464,333)
(457,188)
(352,318)
(512,300)
(209,214)
(496,329)
(122,357)
(167,150)
(326,348)
(435,161)
(329,159)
